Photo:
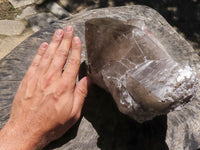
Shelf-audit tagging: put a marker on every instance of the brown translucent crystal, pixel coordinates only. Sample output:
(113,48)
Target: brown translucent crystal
(127,60)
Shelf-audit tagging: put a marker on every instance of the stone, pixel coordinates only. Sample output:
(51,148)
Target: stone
(127,60)
(11,27)
(41,20)
(101,119)
(57,10)
(28,11)
(13,41)
(64,2)
(18,3)
(39,2)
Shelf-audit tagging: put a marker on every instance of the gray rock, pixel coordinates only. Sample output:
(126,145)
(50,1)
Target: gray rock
(41,20)
(18,3)
(102,121)
(64,2)
(11,27)
(28,11)
(58,10)
(127,60)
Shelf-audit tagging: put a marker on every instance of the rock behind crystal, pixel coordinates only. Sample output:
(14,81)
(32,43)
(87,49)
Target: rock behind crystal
(128,61)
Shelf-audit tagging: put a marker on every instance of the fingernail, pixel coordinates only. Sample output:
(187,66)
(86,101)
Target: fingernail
(76,39)
(68,29)
(59,33)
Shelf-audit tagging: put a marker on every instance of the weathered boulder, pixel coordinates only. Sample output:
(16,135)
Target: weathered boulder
(41,20)
(58,10)
(127,60)
(102,125)
(11,27)
(28,11)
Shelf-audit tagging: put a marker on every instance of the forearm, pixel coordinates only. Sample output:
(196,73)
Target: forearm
(19,138)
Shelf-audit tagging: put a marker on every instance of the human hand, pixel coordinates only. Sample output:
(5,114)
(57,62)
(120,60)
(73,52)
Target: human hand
(48,101)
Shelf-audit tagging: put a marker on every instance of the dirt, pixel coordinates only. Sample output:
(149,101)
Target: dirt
(7,11)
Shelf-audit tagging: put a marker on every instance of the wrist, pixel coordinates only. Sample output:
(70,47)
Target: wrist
(19,137)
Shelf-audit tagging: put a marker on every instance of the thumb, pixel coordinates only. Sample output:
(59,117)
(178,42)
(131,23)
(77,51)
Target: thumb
(80,93)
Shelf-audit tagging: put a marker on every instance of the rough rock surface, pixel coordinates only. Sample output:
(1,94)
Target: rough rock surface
(28,11)
(11,27)
(102,125)
(127,60)
(58,10)
(41,20)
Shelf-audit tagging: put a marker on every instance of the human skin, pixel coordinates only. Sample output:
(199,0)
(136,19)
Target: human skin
(48,101)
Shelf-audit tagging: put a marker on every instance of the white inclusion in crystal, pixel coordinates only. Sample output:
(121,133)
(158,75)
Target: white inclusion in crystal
(170,99)
(119,85)
(127,99)
(184,73)
(126,37)
(133,33)
(123,64)
(128,61)
(108,77)
(143,27)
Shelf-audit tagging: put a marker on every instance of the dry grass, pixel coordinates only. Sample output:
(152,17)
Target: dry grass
(7,11)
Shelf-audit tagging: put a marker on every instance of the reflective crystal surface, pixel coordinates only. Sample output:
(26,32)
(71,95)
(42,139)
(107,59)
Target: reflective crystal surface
(127,60)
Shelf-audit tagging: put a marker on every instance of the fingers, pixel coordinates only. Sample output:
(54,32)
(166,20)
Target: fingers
(49,54)
(80,93)
(73,63)
(50,62)
(62,51)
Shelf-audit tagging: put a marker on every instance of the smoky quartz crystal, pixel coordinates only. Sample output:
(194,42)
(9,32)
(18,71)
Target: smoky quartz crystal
(129,62)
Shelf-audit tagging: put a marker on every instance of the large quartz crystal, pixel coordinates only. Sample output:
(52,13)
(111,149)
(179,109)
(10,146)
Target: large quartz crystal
(128,61)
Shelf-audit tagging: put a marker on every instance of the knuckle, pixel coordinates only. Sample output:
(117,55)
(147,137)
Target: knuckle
(73,61)
(56,39)
(68,35)
(47,56)
(48,76)
(41,52)
(56,65)
(58,93)
(70,72)
(34,64)
(82,92)
(64,85)
(46,79)
(61,52)
(76,45)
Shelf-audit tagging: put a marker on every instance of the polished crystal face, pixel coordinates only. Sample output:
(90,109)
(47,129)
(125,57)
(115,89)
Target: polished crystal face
(128,61)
